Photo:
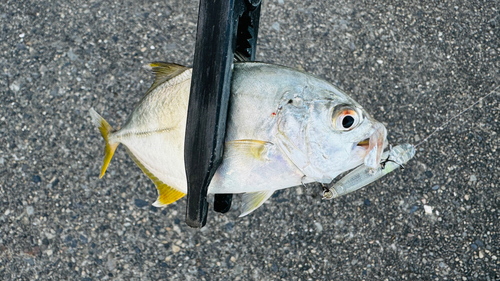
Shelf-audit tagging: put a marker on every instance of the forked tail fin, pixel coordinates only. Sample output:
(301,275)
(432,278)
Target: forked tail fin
(105,130)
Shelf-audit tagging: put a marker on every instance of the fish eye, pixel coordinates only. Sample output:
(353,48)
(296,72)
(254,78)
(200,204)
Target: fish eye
(348,121)
(346,118)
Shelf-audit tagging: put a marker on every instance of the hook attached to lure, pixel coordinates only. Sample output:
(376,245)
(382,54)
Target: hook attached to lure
(363,175)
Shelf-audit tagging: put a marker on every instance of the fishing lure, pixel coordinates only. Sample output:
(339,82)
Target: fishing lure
(394,158)
(363,175)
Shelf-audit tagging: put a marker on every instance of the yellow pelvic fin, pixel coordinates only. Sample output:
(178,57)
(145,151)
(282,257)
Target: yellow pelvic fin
(163,72)
(253,200)
(166,194)
(105,129)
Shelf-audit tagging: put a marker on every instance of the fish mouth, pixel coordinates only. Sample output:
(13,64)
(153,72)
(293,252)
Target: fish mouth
(364,143)
(374,145)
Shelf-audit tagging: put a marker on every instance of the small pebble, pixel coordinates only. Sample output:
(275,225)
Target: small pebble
(84,239)
(299,191)
(111,264)
(436,187)
(71,55)
(479,243)
(140,203)
(36,179)
(276,26)
(428,209)
(473,178)
(318,226)
(175,248)
(30,210)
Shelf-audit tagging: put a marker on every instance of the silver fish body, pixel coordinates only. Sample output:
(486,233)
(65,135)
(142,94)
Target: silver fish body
(284,128)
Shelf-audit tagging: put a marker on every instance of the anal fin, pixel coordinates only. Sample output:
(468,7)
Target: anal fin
(253,200)
(166,194)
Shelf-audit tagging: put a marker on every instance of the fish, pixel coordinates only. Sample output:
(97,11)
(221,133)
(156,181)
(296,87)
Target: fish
(285,128)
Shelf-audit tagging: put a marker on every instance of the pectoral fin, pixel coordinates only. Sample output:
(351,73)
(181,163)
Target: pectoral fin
(254,200)
(255,149)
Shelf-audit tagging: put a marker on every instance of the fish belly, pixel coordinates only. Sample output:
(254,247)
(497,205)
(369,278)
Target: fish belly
(162,154)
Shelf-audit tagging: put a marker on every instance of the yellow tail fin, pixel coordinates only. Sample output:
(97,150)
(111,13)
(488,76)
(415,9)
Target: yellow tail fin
(105,129)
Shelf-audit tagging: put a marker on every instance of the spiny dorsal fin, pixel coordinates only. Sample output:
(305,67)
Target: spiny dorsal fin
(254,200)
(163,71)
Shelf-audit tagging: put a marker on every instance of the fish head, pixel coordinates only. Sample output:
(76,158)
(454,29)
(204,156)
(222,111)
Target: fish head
(327,133)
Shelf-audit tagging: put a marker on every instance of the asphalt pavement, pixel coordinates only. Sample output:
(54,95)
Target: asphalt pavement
(412,64)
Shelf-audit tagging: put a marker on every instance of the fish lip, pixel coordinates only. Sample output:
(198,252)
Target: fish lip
(364,143)
(374,144)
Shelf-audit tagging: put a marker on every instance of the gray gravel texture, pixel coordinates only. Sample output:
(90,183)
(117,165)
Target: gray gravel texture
(412,64)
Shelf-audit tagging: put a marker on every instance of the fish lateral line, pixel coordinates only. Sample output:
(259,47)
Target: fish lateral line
(145,133)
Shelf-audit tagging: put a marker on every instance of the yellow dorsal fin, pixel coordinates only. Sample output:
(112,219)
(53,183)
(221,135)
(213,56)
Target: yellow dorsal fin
(163,72)
(105,130)
(166,194)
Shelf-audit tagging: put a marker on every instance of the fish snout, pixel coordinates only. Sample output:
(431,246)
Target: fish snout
(374,145)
